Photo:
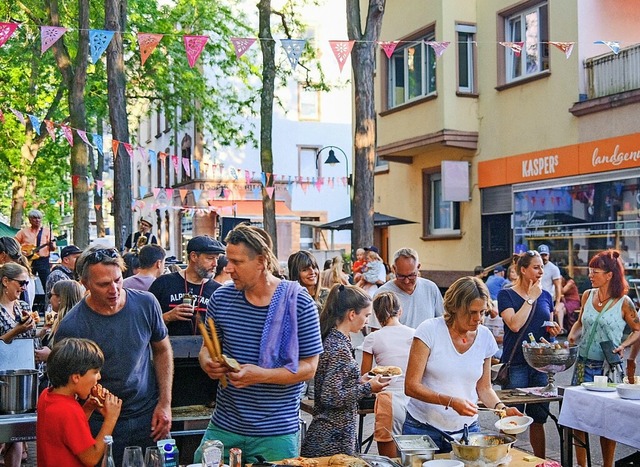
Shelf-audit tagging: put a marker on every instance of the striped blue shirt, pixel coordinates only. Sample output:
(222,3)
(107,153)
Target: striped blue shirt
(261,409)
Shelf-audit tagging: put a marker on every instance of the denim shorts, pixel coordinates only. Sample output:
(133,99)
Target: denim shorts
(414,427)
(591,368)
(524,376)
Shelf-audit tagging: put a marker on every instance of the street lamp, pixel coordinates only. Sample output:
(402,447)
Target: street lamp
(333,160)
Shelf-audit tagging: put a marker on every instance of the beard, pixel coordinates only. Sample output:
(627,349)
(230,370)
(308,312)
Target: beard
(203,273)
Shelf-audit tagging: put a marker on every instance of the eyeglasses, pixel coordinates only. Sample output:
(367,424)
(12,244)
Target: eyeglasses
(597,271)
(99,255)
(410,277)
(22,283)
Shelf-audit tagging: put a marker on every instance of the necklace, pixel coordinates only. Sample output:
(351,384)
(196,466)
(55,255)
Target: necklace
(601,301)
(463,337)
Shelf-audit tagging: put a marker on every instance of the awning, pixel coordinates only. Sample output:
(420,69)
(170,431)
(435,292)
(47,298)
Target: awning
(379,220)
(7,230)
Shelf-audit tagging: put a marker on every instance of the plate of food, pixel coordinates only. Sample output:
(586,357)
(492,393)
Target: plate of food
(610,387)
(386,373)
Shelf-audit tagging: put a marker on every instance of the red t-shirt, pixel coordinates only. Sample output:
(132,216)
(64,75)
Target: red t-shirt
(62,430)
(358,265)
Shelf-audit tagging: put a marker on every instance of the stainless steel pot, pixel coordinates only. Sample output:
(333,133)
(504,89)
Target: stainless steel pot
(18,391)
(483,447)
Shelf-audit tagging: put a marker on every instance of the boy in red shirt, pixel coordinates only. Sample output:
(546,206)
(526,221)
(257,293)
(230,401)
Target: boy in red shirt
(62,427)
(358,265)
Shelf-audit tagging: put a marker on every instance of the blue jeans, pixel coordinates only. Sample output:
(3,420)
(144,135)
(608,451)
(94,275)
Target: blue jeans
(589,369)
(524,376)
(414,427)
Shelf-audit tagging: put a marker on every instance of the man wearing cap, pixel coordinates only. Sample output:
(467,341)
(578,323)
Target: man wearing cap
(64,271)
(496,282)
(37,245)
(196,281)
(551,279)
(144,228)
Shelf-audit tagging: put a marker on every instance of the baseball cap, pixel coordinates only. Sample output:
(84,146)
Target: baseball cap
(499,268)
(372,248)
(69,250)
(544,249)
(205,244)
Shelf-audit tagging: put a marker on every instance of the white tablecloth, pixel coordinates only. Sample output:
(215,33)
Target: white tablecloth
(601,413)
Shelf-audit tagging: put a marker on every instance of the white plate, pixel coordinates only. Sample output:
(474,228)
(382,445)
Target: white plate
(384,379)
(592,387)
(521,424)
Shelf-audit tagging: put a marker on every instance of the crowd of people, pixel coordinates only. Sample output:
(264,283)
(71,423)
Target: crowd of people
(291,338)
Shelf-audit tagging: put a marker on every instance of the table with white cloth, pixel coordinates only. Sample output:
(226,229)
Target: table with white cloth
(599,413)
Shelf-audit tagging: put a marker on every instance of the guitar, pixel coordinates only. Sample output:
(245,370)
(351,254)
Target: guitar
(32,252)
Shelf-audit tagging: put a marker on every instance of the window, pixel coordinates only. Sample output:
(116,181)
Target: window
(412,72)
(530,26)
(440,217)
(158,123)
(466,58)
(309,165)
(308,104)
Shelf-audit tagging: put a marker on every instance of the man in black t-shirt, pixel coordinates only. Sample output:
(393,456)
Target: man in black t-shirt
(196,280)
(144,229)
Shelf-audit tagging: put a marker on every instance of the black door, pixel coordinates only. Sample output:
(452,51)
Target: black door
(496,238)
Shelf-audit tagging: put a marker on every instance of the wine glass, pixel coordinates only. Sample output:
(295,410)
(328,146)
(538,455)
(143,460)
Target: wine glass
(132,457)
(153,457)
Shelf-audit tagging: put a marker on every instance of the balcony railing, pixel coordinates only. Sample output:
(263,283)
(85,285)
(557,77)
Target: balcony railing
(611,74)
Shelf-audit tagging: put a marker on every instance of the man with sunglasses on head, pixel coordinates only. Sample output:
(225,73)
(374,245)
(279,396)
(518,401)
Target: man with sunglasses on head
(127,325)
(420,298)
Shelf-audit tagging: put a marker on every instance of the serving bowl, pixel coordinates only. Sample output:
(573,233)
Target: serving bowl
(550,360)
(514,424)
(628,391)
(483,447)
(443,463)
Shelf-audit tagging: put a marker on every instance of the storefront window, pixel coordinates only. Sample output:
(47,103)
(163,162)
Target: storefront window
(577,221)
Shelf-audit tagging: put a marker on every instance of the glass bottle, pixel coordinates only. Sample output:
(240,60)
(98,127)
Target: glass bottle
(235,457)
(212,453)
(107,459)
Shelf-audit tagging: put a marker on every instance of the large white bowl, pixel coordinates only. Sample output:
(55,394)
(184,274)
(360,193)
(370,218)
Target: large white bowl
(514,424)
(443,463)
(628,391)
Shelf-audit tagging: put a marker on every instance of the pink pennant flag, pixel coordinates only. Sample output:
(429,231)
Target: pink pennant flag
(143,153)
(67,134)
(270,190)
(438,47)
(114,147)
(175,162)
(49,35)
(242,44)
(319,183)
(247,177)
(341,49)
(156,192)
(147,43)
(83,136)
(169,192)
(129,149)
(515,46)
(388,47)
(100,184)
(194,46)
(1,116)
(6,30)
(50,129)
(186,163)
(566,47)
(19,116)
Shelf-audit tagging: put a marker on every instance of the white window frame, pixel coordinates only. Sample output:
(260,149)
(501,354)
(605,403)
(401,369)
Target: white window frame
(537,44)
(469,40)
(428,61)
(304,152)
(436,205)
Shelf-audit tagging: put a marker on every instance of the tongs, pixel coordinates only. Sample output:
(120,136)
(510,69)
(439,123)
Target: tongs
(465,435)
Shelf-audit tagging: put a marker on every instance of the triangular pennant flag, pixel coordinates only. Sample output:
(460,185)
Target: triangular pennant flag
(293,48)
(438,47)
(290,187)
(19,116)
(247,177)
(270,190)
(156,192)
(97,207)
(143,153)
(304,187)
(169,192)
(193,46)
(242,44)
(257,192)
(196,195)
(186,163)
(515,46)
(67,133)
(143,191)
(83,136)
(319,183)
(98,42)
(6,30)
(613,45)
(114,147)
(388,47)
(147,42)
(75,179)
(162,155)
(153,158)
(35,123)
(1,116)
(341,49)
(129,149)
(100,184)
(196,168)
(175,162)
(49,35)
(50,129)
(97,141)
(566,47)
(263,178)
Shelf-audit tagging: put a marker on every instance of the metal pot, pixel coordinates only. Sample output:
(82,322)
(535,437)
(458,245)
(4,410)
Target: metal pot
(483,447)
(18,391)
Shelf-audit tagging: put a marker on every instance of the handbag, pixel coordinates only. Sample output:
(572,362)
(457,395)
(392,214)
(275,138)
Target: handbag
(502,377)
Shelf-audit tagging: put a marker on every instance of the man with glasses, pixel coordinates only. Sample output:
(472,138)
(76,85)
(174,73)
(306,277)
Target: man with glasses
(128,327)
(420,298)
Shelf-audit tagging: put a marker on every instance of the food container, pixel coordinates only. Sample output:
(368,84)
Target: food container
(415,450)
(443,463)
(18,391)
(628,391)
(514,424)
(483,447)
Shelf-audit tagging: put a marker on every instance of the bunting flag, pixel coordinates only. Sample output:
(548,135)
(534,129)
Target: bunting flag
(35,123)
(186,163)
(438,47)
(196,195)
(19,116)
(1,116)
(242,44)
(129,149)
(183,194)
(613,45)
(99,40)
(169,192)
(341,50)
(143,191)
(67,134)
(194,46)
(49,35)
(99,144)
(293,48)
(50,129)
(566,47)
(100,184)
(196,168)
(270,190)
(175,162)
(114,147)
(515,46)
(6,31)
(147,43)
(388,47)
(83,136)
(143,154)
(152,156)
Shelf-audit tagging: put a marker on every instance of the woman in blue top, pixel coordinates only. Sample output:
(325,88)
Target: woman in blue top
(515,306)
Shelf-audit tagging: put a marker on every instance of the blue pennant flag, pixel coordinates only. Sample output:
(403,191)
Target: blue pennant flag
(97,142)
(98,42)
(196,168)
(153,159)
(35,123)
(293,48)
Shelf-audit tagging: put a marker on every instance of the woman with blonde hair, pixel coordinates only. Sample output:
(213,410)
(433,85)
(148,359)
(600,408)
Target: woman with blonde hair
(334,275)
(11,252)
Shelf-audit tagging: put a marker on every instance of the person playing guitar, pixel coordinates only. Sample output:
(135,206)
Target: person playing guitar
(37,244)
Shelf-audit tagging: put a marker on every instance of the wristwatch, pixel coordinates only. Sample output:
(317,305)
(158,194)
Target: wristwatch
(530,301)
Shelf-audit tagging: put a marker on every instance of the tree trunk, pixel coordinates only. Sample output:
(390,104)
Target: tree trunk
(266,119)
(97,168)
(363,64)
(115,20)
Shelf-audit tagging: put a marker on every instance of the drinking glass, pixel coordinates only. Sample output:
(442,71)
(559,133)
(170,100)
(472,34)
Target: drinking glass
(153,457)
(132,457)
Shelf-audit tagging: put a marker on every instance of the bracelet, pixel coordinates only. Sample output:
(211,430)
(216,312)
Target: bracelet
(449,403)
(497,404)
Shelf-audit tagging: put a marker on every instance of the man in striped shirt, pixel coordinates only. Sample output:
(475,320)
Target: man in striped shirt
(273,332)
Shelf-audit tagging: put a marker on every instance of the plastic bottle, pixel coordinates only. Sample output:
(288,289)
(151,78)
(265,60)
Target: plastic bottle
(107,459)
(212,453)
(170,451)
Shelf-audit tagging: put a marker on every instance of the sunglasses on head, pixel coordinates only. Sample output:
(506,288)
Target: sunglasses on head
(532,253)
(100,255)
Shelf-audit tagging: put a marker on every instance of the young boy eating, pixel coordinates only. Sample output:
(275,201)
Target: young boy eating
(62,428)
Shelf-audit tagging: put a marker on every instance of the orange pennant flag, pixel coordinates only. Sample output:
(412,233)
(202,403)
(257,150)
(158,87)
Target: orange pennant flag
(147,43)
(114,147)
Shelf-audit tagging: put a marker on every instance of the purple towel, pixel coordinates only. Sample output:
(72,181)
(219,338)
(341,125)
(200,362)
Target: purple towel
(279,342)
